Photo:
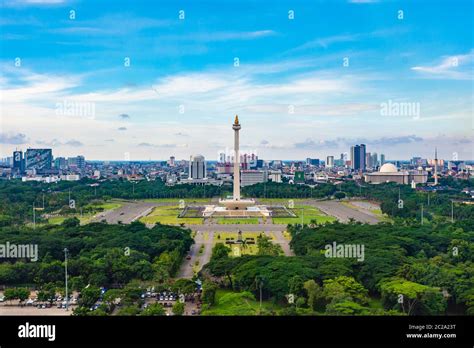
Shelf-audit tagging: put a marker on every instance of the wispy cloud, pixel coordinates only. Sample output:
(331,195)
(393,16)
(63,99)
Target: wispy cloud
(111,24)
(346,142)
(14,139)
(325,42)
(56,143)
(456,67)
(24,3)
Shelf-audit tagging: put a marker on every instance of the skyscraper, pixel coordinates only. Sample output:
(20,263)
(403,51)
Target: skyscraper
(78,162)
(362,157)
(368,160)
(358,157)
(382,159)
(38,159)
(18,161)
(197,167)
(330,161)
(355,150)
(375,160)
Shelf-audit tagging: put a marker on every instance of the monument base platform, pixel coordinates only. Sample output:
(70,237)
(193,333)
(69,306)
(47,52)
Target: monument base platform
(232,210)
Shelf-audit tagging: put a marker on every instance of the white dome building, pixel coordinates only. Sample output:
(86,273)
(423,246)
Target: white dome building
(390,173)
(388,168)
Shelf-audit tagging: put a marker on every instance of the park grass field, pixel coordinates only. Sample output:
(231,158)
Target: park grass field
(177,200)
(168,215)
(239,221)
(238,249)
(239,303)
(309,213)
(280,201)
(86,217)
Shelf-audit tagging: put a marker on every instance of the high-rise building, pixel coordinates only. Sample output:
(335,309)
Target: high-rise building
(368,160)
(222,157)
(78,162)
(375,160)
(382,159)
(18,165)
(197,167)
(313,162)
(60,163)
(358,157)
(330,161)
(38,159)
(362,157)
(252,177)
(171,162)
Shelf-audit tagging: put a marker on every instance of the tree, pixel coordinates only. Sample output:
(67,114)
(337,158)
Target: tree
(184,286)
(266,247)
(339,195)
(412,298)
(220,251)
(347,308)
(10,294)
(209,292)
(131,310)
(345,288)
(314,293)
(89,296)
(155,309)
(71,222)
(22,294)
(178,308)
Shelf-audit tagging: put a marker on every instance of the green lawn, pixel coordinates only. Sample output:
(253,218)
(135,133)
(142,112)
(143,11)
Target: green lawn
(177,200)
(168,215)
(280,201)
(238,249)
(309,213)
(86,217)
(239,303)
(240,221)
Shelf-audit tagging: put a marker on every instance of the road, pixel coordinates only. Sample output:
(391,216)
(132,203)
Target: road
(127,213)
(201,239)
(343,213)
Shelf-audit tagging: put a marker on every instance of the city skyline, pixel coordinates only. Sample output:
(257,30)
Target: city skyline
(82,83)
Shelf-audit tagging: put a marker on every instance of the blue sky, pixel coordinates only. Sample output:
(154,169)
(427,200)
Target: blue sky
(304,87)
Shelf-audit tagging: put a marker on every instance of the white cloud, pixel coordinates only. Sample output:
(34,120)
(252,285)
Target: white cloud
(456,67)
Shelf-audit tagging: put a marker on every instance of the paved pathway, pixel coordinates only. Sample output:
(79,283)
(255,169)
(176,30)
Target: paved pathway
(343,213)
(201,239)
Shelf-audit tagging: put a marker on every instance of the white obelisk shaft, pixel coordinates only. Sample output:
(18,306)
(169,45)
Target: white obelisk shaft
(236,127)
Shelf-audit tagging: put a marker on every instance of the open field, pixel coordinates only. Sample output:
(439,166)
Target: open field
(226,221)
(239,249)
(309,213)
(87,217)
(168,214)
(177,200)
(279,201)
(239,303)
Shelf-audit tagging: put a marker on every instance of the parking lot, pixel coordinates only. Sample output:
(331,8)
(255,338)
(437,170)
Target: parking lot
(168,299)
(33,307)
